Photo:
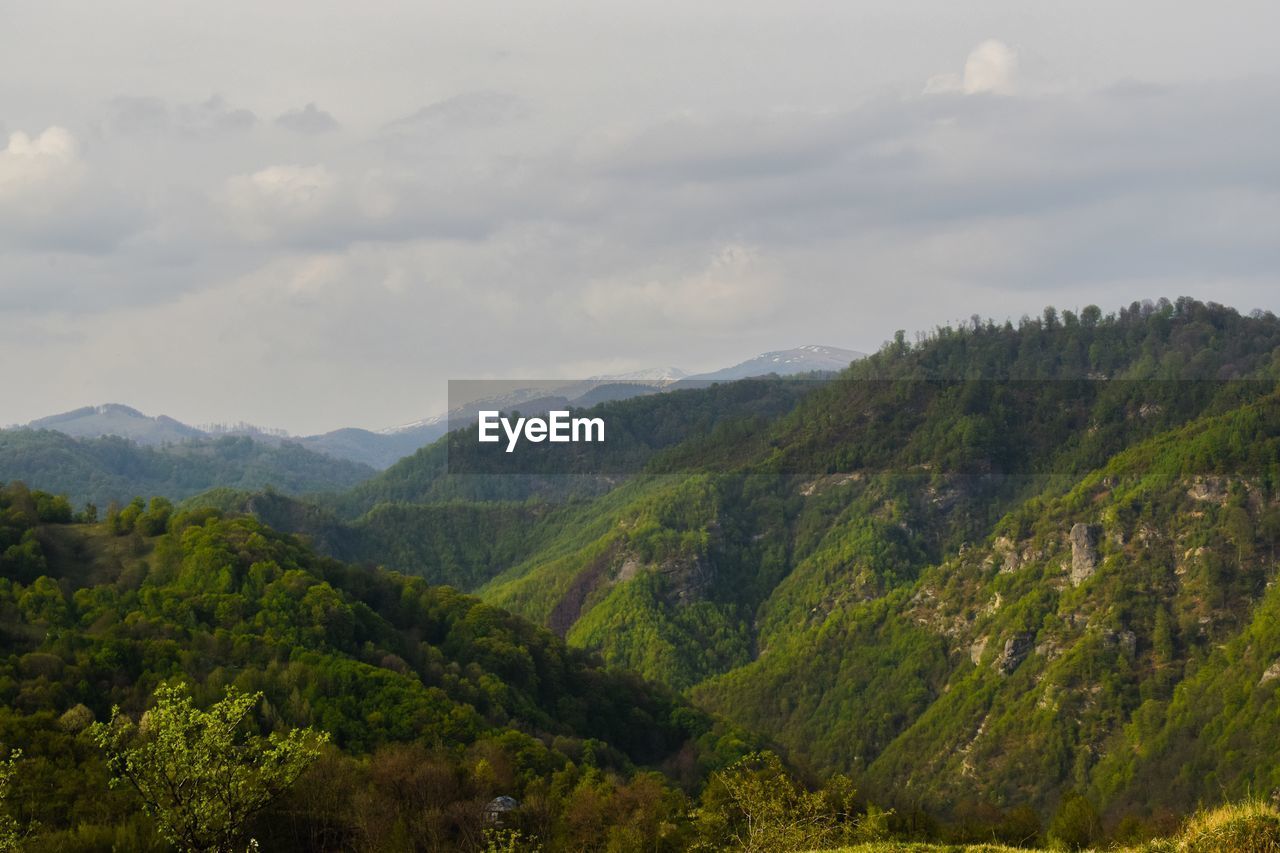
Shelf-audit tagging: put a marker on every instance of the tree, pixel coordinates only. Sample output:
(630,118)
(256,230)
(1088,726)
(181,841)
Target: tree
(10,835)
(156,518)
(200,775)
(1076,824)
(755,805)
(900,347)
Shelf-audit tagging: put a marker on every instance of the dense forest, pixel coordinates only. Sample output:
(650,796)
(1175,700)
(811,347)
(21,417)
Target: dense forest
(102,470)
(431,702)
(888,577)
(1005,581)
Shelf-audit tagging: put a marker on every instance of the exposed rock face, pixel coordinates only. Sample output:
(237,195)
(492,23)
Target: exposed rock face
(1084,551)
(1210,489)
(976,650)
(1016,649)
(688,578)
(1010,561)
(1272,673)
(1123,639)
(630,568)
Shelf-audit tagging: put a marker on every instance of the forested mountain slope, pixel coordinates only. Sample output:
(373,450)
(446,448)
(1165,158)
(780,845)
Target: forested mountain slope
(417,676)
(1062,651)
(998,565)
(799,593)
(456,468)
(102,470)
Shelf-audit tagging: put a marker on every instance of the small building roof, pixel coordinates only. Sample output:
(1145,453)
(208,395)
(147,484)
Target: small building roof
(502,804)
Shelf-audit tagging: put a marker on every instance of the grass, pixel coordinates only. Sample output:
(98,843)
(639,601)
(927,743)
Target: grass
(914,847)
(1252,826)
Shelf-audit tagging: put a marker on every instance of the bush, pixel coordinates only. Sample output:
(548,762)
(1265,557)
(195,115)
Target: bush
(1075,825)
(1252,825)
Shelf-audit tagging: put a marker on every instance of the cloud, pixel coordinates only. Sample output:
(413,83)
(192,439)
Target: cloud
(319,207)
(134,114)
(391,191)
(732,287)
(991,68)
(480,237)
(39,171)
(49,201)
(469,110)
(700,148)
(215,116)
(279,201)
(309,120)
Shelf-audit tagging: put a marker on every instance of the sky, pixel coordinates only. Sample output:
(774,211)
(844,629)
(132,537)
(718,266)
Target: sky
(312,215)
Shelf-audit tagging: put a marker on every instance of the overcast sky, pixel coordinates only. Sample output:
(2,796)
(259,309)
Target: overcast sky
(311,215)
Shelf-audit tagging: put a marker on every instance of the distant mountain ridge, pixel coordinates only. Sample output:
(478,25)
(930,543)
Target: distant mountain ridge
(805,359)
(364,447)
(381,448)
(119,420)
(116,469)
(540,394)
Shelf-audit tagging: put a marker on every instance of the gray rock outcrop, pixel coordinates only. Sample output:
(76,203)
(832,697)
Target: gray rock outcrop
(1084,551)
(1016,649)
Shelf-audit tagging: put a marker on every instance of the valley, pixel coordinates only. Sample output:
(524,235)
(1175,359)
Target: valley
(1003,583)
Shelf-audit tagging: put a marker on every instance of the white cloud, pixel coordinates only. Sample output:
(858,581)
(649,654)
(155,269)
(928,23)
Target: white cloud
(734,286)
(991,67)
(39,171)
(51,201)
(280,201)
(772,183)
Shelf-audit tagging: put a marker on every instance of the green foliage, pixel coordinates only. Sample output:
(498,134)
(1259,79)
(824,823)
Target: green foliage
(10,834)
(756,806)
(879,573)
(109,469)
(712,427)
(871,572)
(1249,825)
(509,841)
(1075,825)
(22,511)
(199,774)
(424,691)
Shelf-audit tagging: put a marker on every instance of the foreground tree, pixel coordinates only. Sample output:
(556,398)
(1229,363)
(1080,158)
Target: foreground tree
(755,806)
(201,774)
(10,835)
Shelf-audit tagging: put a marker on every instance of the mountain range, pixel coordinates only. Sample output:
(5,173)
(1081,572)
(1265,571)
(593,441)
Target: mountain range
(433,703)
(1004,566)
(379,449)
(999,575)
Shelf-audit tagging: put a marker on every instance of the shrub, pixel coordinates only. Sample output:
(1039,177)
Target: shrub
(1252,825)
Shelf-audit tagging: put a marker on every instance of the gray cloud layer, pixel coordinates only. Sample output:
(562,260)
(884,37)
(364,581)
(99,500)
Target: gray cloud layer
(309,119)
(668,202)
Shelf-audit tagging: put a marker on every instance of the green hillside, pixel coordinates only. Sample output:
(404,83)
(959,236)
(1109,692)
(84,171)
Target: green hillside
(1008,670)
(103,470)
(1004,567)
(434,702)
(642,428)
